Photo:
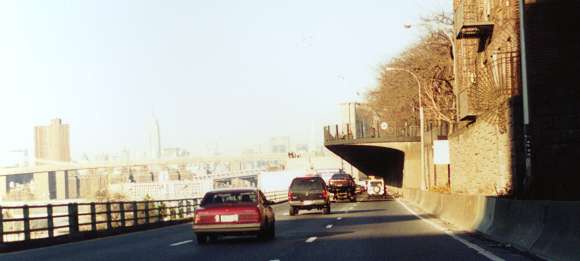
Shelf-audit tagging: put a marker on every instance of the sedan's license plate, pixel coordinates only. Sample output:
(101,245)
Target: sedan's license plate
(228,218)
(308,202)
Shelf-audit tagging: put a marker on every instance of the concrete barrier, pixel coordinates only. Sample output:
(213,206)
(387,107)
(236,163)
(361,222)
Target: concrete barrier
(458,210)
(548,229)
(560,237)
(518,222)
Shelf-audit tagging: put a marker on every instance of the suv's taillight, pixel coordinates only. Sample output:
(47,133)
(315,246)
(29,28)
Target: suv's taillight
(325,194)
(290,195)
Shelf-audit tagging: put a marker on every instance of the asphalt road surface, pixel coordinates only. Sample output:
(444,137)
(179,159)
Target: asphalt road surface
(366,230)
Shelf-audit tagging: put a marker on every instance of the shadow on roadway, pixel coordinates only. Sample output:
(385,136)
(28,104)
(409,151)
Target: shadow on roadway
(240,240)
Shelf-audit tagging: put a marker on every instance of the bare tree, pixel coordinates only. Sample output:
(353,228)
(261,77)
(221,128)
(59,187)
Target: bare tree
(395,98)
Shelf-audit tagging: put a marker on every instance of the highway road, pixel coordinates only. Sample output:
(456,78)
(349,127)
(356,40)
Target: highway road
(368,230)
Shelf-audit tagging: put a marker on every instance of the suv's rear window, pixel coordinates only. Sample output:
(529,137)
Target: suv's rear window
(340,176)
(233,197)
(306,185)
(376,183)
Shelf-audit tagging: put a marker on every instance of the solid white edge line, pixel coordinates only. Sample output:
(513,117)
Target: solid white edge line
(310,239)
(475,247)
(181,243)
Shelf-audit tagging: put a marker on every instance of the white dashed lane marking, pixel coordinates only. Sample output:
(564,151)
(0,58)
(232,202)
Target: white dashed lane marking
(310,239)
(181,243)
(329,226)
(339,218)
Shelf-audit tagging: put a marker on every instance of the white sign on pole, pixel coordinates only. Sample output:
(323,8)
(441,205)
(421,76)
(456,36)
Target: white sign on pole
(384,125)
(441,152)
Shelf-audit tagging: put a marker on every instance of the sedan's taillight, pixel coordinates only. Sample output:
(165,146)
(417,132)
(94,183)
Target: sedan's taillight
(250,216)
(197,217)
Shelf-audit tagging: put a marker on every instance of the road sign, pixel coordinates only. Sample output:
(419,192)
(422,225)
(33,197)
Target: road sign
(384,125)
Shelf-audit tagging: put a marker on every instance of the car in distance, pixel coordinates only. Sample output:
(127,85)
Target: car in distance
(234,212)
(359,189)
(376,188)
(308,193)
(342,186)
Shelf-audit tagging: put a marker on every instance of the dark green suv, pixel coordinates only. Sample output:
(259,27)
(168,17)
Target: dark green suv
(308,193)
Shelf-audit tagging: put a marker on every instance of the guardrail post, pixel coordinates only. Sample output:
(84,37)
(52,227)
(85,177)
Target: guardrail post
(26,219)
(180,208)
(146,212)
(73,218)
(49,221)
(93,217)
(188,207)
(1,225)
(135,214)
(122,213)
(109,219)
(159,212)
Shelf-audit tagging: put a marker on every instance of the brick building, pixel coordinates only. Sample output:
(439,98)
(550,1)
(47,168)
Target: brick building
(488,89)
(487,151)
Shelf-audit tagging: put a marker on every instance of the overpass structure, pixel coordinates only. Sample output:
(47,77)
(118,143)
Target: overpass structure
(392,153)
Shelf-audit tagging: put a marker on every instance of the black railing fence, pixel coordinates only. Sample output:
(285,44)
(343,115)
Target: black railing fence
(29,222)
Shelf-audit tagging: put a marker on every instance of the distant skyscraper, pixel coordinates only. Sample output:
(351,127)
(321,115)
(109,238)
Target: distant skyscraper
(52,142)
(155,140)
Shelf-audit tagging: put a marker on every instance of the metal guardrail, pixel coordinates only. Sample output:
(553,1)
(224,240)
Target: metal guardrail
(345,132)
(335,134)
(28,222)
(277,196)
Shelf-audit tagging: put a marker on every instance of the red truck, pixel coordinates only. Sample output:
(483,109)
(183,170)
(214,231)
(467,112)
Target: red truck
(342,186)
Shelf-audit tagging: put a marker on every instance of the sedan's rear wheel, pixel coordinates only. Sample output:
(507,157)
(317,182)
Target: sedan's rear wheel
(272,231)
(201,239)
(267,233)
(326,209)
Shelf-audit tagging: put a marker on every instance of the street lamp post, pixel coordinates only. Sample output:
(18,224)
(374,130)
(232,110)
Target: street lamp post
(421,123)
(453,52)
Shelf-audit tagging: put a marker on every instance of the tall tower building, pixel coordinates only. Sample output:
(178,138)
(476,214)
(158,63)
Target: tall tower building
(155,140)
(52,141)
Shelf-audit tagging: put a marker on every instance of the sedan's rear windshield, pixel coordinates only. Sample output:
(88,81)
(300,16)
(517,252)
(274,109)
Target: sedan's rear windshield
(233,197)
(340,176)
(306,185)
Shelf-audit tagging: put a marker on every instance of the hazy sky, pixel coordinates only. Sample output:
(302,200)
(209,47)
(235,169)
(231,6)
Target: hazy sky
(233,73)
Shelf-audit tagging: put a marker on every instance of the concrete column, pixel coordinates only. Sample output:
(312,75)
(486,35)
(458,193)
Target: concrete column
(72,184)
(60,185)
(41,191)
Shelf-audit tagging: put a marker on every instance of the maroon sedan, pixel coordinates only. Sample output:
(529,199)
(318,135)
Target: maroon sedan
(234,212)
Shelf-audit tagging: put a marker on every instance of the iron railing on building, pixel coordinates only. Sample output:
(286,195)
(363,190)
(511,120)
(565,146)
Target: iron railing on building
(471,18)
